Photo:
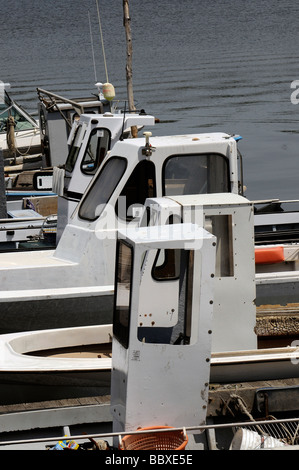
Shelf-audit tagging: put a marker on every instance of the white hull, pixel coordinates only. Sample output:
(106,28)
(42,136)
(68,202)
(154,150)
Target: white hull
(25,141)
(25,378)
(256,365)
(28,373)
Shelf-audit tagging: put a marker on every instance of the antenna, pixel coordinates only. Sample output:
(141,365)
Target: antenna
(92,49)
(102,41)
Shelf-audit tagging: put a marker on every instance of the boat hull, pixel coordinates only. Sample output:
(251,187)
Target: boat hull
(72,310)
(76,362)
(255,365)
(55,364)
(29,387)
(277,289)
(35,386)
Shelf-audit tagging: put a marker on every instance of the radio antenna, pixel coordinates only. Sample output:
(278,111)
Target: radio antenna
(102,41)
(92,49)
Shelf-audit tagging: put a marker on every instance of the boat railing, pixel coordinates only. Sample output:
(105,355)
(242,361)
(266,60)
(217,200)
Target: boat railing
(193,429)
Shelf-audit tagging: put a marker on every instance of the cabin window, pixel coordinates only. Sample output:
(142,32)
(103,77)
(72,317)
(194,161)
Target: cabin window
(167,265)
(140,185)
(74,150)
(180,265)
(121,317)
(195,174)
(102,188)
(96,150)
(222,227)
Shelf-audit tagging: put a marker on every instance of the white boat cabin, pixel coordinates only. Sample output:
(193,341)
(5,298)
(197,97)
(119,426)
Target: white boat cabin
(152,355)
(84,259)
(91,137)
(230,218)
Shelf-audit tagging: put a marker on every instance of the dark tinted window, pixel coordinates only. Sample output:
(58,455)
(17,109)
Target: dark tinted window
(121,319)
(96,150)
(140,185)
(74,150)
(195,174)
(102,188)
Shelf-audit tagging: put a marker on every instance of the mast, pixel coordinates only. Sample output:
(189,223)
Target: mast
(129,49)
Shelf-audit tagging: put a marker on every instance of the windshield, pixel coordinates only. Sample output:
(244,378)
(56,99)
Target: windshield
(74,150)
(102,188)
(195,174)
(7,109)
(98,146)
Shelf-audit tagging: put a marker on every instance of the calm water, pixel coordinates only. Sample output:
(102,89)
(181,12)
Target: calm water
(198,65)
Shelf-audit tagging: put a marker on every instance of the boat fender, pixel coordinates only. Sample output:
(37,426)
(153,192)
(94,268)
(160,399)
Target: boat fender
(108,91)
(269,255)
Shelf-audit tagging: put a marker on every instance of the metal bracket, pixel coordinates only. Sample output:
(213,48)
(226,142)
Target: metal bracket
(270,400)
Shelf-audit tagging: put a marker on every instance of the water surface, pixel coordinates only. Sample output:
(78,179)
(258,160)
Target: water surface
(199,66)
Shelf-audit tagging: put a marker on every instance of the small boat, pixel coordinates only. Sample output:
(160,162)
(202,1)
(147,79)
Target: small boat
(83,260)
(147,350)
(76,362)
(55,191)
(55,364)
(71,358)
(32,174)
(60,281)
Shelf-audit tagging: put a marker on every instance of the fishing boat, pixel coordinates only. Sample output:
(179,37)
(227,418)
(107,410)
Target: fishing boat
(276,229)
(138,337)
(28,178)
(55,191)
(234,357)
(67,363)
(78,276)
(56,115)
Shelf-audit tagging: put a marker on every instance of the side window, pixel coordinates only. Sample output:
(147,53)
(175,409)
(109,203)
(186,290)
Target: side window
(177,266)
(222,227)
(195,174)
(96,150)
(139,186)
(102,188)
(167,265)
(180,323)
(121,316)
(74,150)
